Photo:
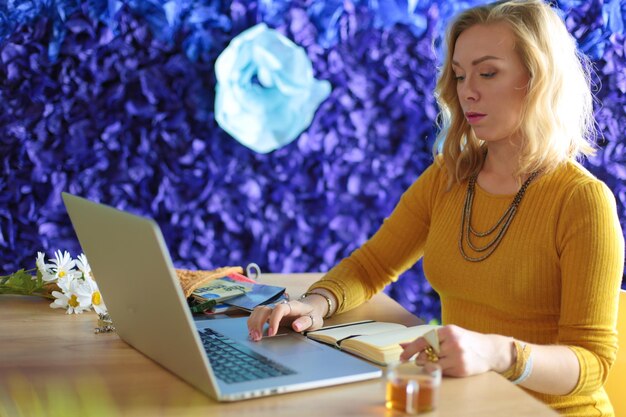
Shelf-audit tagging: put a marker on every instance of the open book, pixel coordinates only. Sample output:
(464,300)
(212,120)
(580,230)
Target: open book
(376,341)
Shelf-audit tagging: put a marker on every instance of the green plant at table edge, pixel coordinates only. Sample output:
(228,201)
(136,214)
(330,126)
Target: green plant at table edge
(23,283)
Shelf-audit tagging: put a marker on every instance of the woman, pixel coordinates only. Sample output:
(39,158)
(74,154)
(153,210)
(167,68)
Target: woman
(522,243)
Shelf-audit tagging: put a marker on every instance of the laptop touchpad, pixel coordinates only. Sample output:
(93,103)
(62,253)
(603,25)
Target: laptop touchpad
(286,344)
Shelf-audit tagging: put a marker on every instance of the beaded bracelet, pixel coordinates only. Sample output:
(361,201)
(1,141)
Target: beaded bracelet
(328,301)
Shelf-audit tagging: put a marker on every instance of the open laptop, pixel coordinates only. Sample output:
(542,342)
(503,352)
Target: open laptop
(146,303)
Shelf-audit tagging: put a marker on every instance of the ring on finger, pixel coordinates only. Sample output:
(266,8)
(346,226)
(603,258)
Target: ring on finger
(312,320)
(431,356)
(286,302)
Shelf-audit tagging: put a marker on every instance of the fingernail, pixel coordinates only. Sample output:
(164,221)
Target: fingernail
(297,326)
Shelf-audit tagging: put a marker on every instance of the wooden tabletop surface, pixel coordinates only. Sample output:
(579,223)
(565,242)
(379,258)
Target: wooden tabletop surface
(53,364)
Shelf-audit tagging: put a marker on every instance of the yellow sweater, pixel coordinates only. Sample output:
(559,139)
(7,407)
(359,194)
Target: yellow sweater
(554,279)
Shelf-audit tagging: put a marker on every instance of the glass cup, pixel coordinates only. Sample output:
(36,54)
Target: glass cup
(412,388)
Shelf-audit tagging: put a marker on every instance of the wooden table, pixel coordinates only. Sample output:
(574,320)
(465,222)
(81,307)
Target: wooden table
(53,364)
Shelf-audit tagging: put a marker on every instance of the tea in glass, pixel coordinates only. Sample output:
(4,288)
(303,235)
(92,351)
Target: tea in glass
(412,388)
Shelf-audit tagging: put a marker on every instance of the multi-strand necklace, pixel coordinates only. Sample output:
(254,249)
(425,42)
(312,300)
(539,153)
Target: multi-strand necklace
(500,228)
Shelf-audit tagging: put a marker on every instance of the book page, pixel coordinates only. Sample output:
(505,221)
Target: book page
(332,335)
(393,337)
(384,348)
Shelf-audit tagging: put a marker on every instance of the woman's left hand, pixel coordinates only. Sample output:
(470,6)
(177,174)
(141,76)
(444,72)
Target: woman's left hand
(463,352)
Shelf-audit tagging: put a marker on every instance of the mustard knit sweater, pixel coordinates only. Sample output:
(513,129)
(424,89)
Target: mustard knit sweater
(554,279)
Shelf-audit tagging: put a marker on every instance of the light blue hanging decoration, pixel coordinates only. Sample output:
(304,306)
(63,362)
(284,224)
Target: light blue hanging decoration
(266,94)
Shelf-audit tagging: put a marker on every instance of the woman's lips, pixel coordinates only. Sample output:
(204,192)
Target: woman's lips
(474,117)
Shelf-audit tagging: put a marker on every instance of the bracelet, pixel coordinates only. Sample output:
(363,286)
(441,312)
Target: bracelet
(341,288)
(510,373)
(328,300)
(527,370)
(522,367)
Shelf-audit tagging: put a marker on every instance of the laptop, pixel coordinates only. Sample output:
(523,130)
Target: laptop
(136,277)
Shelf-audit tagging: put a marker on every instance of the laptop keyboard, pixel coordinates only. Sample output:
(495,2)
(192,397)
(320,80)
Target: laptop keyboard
(233,362)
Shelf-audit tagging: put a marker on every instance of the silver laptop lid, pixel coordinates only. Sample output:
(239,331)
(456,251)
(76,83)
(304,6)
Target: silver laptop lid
(135,274)
(137,279)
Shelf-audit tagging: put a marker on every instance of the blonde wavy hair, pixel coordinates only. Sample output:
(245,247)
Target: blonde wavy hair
(557,122)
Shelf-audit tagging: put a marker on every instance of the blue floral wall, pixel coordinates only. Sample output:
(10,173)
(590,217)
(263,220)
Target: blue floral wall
(114,100)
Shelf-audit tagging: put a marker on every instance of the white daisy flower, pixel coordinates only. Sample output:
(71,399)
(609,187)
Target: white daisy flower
(45,269)
(61,300)
(76,300)
(63,265)
(64,283)
(96,298)
(83,266)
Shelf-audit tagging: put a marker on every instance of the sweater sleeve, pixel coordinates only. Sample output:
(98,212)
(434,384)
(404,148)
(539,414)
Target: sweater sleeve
(590,245)
(393,249)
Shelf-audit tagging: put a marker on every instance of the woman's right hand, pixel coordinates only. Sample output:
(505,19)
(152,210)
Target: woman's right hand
(300,315)
(304,314)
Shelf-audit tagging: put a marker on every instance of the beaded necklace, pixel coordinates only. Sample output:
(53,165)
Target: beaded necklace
(501,226)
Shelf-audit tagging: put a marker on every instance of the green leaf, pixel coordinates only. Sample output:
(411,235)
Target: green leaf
(20,282)
(40,281)
(22,279)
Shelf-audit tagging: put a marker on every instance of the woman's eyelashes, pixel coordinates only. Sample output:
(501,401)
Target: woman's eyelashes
(488,74)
